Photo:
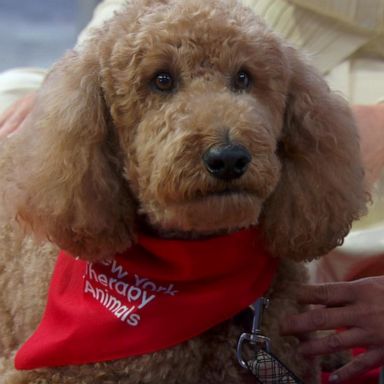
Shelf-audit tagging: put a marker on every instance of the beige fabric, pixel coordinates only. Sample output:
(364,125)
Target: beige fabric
(326,41)
(366,15)
(344,39)
(17,82)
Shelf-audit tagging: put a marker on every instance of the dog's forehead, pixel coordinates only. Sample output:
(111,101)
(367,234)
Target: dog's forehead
(201,22)
(197,30)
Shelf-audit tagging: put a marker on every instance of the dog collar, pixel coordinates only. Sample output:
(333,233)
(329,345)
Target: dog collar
(155,295)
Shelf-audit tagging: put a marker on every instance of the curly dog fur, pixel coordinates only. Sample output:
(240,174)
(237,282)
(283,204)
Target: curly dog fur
(104,152)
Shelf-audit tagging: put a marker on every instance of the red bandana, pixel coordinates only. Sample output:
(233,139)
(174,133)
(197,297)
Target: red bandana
(155,295)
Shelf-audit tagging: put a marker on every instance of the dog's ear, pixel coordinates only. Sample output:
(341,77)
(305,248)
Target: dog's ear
(321,190)
(65,181)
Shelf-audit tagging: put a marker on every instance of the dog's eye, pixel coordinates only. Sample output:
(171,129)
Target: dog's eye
(241,81)
(163,82)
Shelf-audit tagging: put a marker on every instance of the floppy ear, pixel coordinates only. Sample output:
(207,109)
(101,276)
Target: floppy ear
(321,190)
(65,180)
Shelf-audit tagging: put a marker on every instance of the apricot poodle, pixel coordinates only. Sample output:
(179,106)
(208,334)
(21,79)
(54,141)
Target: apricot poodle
(183,121)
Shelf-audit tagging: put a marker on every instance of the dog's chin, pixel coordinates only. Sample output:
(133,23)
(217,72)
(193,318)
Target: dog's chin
(209,214)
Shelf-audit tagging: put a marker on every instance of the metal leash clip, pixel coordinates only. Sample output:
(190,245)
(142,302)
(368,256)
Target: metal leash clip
(255,337)
(267,368)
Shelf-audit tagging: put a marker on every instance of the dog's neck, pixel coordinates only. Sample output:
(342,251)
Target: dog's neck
(145,227)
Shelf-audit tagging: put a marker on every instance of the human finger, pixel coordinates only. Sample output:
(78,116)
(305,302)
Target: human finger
(12,123)
(318,319)
(360,364)
(329,294)
(335,342)
(7,113)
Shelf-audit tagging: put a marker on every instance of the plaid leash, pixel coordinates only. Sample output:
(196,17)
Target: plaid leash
(266,367)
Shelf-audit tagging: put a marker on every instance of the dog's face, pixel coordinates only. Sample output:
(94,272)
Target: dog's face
(200,140)
(198,117)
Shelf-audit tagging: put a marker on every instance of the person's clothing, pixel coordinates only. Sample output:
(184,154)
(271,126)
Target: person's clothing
(16,83)
(344,39)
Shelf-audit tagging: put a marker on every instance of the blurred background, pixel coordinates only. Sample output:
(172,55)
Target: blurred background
(38,32)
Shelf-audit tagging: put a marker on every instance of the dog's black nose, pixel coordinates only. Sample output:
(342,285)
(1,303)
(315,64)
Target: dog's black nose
(227,162)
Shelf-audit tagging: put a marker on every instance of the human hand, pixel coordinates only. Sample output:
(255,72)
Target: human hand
(358,308)
(14,116)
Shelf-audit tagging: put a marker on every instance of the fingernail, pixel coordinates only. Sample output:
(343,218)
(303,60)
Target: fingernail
(334,379)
